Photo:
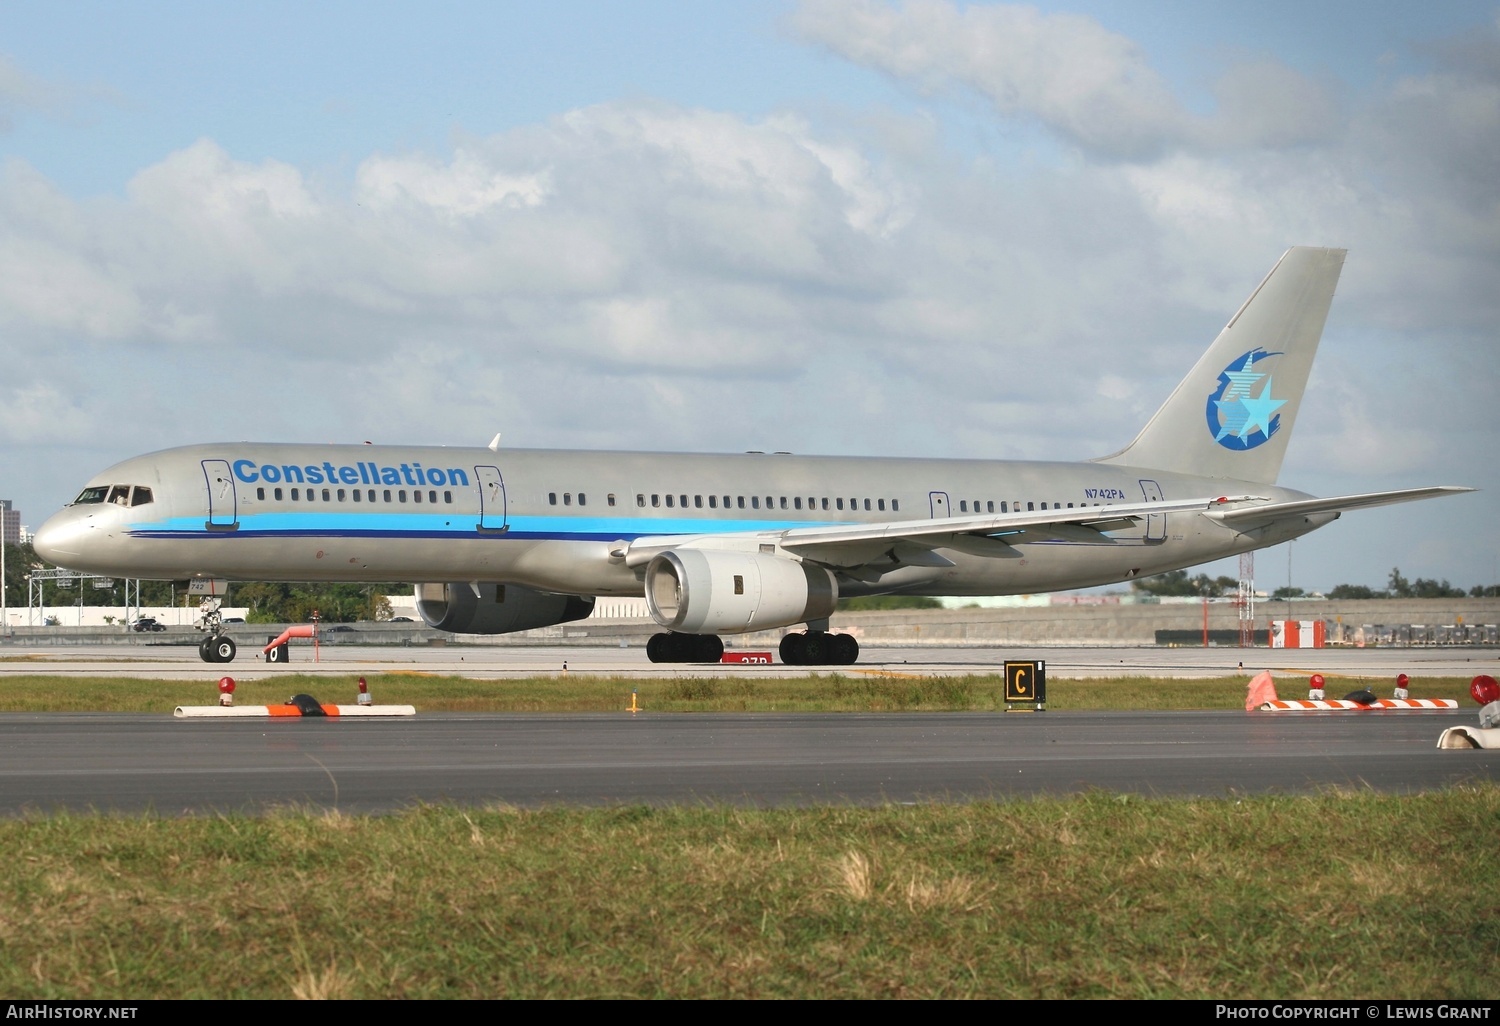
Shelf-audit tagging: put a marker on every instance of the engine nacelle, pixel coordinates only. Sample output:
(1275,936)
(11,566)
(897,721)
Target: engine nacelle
(497,609)
(708,591)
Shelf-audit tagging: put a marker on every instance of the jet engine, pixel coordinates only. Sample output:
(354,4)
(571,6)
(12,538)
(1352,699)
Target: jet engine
(707,591)
(497,609)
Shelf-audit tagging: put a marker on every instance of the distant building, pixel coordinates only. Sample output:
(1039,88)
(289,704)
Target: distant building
(10,523)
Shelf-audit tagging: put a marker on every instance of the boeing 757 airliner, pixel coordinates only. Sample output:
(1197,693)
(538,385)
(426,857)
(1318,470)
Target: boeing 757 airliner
(502,540)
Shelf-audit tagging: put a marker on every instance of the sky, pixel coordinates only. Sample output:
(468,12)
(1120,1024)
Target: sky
(835,226)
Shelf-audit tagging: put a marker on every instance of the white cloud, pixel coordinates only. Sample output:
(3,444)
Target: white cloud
(465,187)
(648,275)
(1095,88)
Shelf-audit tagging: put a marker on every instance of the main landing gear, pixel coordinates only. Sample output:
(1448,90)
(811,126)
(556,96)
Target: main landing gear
(810,648)
(819,648)
(684,648)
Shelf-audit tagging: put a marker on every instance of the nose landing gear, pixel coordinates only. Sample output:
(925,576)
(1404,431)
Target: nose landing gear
(218,647)
(217,650)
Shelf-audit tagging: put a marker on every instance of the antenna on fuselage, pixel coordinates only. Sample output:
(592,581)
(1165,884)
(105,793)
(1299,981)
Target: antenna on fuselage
(495,443)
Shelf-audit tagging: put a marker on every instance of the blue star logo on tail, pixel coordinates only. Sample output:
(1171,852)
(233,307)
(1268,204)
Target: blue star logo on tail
(1242,410)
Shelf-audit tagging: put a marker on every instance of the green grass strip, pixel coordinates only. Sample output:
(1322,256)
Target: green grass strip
(1343,895)
(831,692)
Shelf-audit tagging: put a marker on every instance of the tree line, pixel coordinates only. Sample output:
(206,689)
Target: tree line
(1179,583)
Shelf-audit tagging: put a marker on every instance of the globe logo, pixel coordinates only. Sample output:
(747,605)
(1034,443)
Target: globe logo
(1242,410)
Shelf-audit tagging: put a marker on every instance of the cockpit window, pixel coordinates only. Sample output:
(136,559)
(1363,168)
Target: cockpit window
(120,495)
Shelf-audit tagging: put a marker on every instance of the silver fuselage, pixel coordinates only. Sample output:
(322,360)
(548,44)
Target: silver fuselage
(557,520)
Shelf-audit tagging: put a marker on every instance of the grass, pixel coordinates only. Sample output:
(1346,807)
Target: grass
(832,692)
(1099,896)
(1336,896)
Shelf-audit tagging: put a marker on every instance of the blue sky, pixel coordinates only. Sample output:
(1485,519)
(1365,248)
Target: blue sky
(577,222)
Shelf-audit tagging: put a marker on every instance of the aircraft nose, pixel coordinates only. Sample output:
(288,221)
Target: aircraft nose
(61,538)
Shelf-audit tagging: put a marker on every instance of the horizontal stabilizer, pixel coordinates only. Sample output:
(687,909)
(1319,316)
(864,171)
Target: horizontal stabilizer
(1248,518)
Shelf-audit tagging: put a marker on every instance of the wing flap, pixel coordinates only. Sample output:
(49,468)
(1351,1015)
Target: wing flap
(1064,524)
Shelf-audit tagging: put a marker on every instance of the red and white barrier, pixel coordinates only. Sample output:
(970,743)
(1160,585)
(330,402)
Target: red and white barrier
(1343,705)
(289,711)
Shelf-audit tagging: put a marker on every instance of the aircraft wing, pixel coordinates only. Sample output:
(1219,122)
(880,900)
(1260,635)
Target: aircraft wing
(1249,518)
(912,541)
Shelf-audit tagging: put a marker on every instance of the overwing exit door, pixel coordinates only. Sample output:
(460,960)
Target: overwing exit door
(1156,523)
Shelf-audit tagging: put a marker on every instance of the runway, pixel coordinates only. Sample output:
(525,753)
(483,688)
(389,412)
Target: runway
(493,662)
(119,763)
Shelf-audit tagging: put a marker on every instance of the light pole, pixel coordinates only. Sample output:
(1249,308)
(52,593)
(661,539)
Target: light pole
(1289,580)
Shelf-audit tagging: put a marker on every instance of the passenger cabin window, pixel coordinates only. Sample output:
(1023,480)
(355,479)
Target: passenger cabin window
(341,495)
(552,498)
(640,499)
(277,494)
(609,500)
(669,502)
(582,499)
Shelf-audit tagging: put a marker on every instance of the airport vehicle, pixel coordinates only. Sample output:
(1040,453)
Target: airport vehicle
(507,540)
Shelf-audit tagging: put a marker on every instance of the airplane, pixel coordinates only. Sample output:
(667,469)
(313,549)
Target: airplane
(509,540)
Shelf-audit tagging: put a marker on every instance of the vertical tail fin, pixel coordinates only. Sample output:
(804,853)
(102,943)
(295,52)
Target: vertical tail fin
(1232,415)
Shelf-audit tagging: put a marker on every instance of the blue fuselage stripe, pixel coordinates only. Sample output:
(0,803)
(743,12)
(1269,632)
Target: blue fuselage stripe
(441,525)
